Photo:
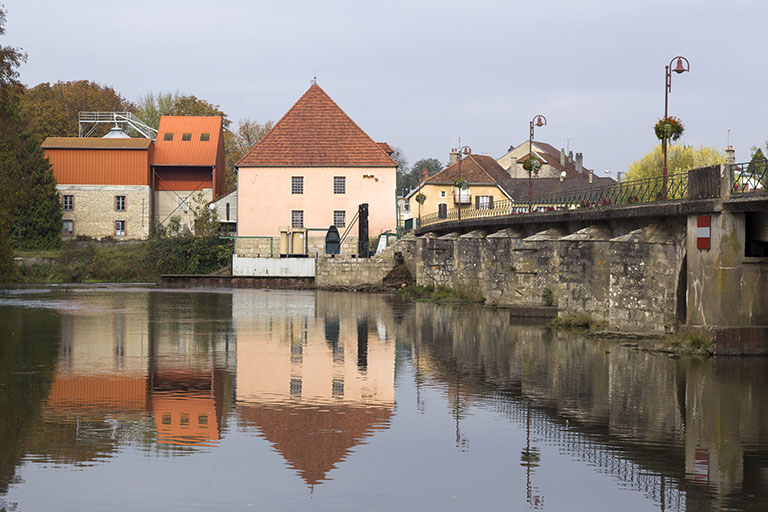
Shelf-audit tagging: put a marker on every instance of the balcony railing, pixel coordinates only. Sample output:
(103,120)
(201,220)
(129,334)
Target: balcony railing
(749,177)
(462,198)
(633,192)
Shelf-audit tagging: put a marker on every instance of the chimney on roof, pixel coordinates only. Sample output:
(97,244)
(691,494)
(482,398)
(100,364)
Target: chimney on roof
(580,164)
(591,176)
(453,156)
(570,156)
(562,157)
(730,155)
(424,174)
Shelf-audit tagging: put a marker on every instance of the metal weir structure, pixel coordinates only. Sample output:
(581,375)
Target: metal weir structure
(87,122)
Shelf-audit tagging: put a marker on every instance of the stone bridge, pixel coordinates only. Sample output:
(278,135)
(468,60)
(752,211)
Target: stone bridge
(691,252)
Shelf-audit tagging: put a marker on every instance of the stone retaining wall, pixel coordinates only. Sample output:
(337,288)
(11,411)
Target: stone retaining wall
(629,282)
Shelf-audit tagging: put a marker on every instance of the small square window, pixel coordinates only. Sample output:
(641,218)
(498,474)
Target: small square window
(295,387)
(339,218)
(184,420)
(339,185)
(205,137)
(442,193)
(119,228)
(119,203)
(166,419)
(68,229)
(202,419)
(68,203)
(168,136)
(337,388)
(297,184)
(297,218)
(186,136)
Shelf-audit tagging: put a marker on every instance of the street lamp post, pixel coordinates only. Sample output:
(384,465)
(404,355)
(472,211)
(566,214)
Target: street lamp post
(537,120)
(463,150)
(681,66)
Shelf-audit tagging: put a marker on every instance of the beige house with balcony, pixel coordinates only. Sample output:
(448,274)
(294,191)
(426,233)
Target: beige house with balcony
(485,179)
(312,171)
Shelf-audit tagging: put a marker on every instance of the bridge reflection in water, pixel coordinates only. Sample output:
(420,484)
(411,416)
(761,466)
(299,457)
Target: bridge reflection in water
(690,434)
(318,374)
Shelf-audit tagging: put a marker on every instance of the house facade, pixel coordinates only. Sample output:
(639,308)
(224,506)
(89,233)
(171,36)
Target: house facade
(312,171)
(554,162)
(485,179)
(104,185)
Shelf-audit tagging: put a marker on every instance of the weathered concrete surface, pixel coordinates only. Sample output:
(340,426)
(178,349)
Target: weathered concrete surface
(725,287)
(629,282)
(272,267)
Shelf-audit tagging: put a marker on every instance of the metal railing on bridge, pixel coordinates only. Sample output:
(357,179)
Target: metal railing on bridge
(645,190)
(749,177)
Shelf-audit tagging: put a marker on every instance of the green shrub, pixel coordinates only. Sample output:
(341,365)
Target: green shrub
(574,321)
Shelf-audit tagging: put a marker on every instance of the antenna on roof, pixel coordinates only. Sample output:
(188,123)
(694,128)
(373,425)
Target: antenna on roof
(568,144)
(314,79)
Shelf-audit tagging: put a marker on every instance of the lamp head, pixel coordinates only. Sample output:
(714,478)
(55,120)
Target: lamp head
(680,66)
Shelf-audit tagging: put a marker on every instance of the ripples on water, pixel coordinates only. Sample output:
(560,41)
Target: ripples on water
(137,398)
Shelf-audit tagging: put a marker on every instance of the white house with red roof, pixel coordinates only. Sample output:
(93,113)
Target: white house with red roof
(312,171)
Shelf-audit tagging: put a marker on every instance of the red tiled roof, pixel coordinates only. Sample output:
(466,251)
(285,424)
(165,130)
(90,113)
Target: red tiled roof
(316,132)
(386,147)
(193,152)
(476,169)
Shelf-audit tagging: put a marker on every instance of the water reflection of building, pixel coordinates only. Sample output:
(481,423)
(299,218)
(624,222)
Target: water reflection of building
(315,373)
(135,357)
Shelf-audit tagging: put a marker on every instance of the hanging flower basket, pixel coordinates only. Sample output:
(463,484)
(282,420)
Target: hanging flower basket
(532,165)
(461,184)
(669,128)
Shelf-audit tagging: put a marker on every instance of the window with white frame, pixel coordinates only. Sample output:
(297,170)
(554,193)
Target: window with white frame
(68,203)
(119,228)
(297,218)
(297,184)
(483,202)
(339,185)
(339,218)
(442,193)
(119,203)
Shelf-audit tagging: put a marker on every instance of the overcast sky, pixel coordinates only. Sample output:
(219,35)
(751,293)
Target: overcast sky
(419,74)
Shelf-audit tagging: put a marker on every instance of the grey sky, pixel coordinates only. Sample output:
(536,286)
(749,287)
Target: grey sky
(420,74)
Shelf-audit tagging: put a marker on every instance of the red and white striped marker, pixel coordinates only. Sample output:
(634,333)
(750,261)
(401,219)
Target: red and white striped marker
(703,232)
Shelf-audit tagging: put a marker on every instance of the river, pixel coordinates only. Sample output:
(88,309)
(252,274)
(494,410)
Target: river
(139,398)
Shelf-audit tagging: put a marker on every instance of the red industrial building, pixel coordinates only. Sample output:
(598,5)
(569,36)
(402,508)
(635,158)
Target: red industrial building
(118,186)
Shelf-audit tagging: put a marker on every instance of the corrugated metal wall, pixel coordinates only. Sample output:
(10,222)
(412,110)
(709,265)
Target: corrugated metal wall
(99,167)
(183,178)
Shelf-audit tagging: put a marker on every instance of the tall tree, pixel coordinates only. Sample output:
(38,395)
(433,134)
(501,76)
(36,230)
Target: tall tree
(680,158)
(11,144)
(51,110)
(151,106)
(409,179)
(238,143)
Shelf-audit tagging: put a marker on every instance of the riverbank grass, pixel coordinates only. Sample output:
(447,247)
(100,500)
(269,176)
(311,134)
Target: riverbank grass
(575,321)
(440,295)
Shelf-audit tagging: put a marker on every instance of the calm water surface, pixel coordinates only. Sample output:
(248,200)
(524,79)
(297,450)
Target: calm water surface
(129,399)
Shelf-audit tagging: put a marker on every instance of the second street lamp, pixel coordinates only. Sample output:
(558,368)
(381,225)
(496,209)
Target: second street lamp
(681,66)
(538,120)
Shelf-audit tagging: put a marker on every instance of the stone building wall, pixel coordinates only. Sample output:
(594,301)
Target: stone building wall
(94,212)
